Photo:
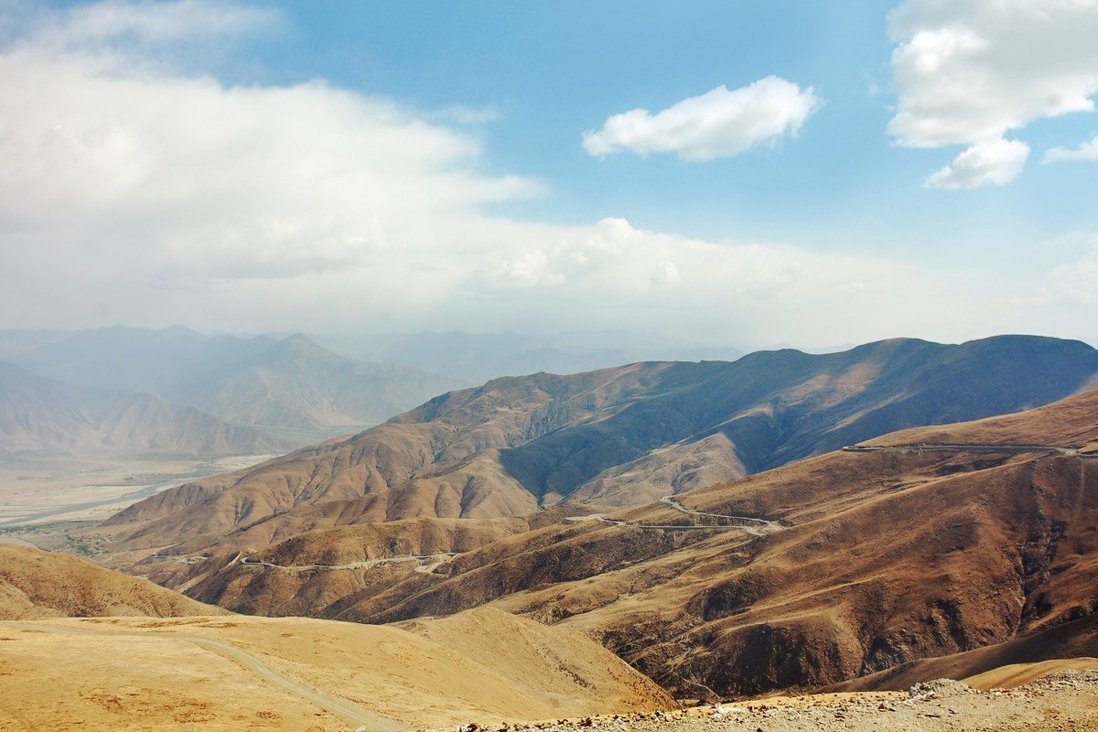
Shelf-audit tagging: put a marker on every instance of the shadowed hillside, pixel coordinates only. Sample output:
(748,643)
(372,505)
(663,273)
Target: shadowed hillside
(616,437)
(880,558)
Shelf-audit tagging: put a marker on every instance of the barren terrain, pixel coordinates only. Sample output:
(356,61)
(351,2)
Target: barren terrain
(611,438)
(884,558)
(292,673)
(1057,698)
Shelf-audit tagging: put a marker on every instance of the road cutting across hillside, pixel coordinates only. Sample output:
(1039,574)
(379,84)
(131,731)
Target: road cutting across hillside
(748,524)
(427,563)
(972,447)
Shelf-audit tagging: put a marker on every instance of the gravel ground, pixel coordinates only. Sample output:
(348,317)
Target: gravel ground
(1061,702)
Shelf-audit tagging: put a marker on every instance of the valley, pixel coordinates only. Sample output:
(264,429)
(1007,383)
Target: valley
(548,366)
(984,536)
(39,489)
(707,531)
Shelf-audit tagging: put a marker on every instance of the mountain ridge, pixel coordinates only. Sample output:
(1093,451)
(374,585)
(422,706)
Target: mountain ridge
(519,444)
(43,415)
(288,386)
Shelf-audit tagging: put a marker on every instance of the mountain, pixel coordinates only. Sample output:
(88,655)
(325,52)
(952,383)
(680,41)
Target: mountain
(608,438)
(38,584)
(473,358)
(846,564)
(295,383)
(289,385)
(136,359)
(42,415)
(858,564)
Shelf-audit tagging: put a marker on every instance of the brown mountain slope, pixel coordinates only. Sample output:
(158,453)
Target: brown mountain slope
(38,584)
(318,573)
(885,557)
(295,673)
(614,437)
(1027,656)
(188,663)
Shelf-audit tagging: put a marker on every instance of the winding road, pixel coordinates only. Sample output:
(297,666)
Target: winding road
(427,563)
(747,524)
(361,719)
(971,447)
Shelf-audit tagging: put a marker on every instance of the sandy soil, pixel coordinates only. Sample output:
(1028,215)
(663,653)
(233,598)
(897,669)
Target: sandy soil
(292,673)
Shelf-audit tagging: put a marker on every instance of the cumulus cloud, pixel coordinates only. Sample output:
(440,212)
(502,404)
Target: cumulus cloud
(1087,151)
(717,124)
(133,189)
(992,163)
(969,73)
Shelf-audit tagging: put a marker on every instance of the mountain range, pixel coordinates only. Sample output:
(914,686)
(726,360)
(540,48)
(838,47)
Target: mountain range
(473,358)
(975,538)
(42,415)
(290,390)
(853,520)
(610,438)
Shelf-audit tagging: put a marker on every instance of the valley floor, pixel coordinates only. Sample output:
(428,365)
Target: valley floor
(49,501)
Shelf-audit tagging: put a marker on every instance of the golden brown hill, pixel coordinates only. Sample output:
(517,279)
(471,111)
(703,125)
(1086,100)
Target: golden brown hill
(884,557)
(614,437)
(38,584)
(316,574)
(294,673)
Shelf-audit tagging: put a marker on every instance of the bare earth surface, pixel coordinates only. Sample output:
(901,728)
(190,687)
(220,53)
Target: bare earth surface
(1061,701)
(234,672)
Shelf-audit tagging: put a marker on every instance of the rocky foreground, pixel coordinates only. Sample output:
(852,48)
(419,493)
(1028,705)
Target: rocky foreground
(1060,702)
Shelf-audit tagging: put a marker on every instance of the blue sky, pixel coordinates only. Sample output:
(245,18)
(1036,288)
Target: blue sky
(832,228)
(554,70)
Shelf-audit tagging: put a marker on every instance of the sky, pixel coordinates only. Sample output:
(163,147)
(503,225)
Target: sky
(732,173)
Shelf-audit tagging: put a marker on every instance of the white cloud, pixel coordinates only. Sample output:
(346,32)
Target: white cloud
(993,163)
(1087,151)
(717,124)
(971,72)
(135,192)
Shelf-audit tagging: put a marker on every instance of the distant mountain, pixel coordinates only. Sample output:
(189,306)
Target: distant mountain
(39,414)
(132,358)
(283,384)
(473,358)
(615,437)
(295,383)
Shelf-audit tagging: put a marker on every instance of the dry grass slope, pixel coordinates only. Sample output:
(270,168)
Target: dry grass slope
(37,584)
(249,673)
